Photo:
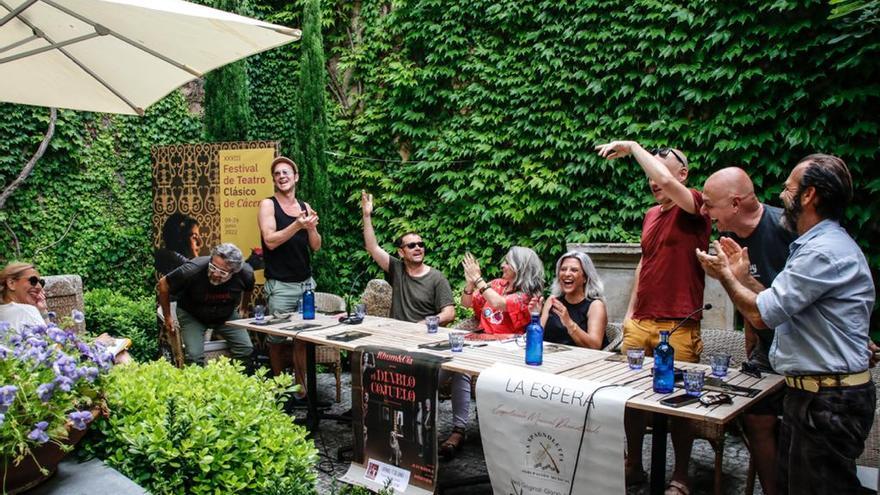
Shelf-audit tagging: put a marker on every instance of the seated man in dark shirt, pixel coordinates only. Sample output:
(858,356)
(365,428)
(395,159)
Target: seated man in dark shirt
(208,290)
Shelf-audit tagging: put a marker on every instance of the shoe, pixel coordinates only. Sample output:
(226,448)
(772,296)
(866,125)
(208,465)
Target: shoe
(450,447)
(677,488)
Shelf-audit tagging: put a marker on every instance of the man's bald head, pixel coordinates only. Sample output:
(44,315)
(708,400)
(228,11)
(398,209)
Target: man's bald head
(728,182)
(729,200)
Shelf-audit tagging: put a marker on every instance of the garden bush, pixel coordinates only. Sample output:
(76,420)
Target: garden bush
(121,316)
(203,430)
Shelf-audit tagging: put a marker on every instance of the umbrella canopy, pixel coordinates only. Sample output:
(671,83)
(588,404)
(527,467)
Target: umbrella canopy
(118,56)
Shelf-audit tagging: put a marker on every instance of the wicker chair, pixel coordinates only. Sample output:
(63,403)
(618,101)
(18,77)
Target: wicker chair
(377,297)
(614,333)
(330,303)
(717,341)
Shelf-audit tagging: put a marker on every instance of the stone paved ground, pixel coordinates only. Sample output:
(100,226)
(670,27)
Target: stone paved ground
(470,462)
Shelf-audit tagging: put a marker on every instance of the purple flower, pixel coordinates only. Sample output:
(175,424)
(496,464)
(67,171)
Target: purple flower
(4,351)
(36,342)
(45,391)
(80,419)
(38,434)
(57,334)
(63,383)
(7,396)
(78,316)
(64,365)
(90,373)
(2,418)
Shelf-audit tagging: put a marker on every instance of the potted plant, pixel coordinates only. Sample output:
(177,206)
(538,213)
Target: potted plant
(50,390)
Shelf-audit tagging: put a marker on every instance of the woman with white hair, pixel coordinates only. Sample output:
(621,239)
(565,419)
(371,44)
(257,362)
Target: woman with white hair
(503,307)
(575,314)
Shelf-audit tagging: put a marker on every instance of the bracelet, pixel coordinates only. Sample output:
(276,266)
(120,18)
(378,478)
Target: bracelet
(485,288)
(468,293)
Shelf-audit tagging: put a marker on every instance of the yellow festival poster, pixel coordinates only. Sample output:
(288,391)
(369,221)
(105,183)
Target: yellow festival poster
(245,179)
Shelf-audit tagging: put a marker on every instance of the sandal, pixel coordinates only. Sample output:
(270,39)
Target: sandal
(677,488)
(450,447)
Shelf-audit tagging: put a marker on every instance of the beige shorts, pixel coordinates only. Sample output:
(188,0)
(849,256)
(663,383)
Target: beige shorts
(686,341)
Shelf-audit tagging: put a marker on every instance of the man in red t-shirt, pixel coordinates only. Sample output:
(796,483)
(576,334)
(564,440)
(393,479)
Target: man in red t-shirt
(668,287)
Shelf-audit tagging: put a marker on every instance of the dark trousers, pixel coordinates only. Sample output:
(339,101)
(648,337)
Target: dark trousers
(822,434)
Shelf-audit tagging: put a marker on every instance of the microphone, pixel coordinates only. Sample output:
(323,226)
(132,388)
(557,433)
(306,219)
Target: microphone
(348,319)
(688,317)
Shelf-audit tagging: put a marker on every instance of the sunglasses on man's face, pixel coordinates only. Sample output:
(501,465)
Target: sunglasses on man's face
(36,280)
(664,152)
(219,271)
(412,245)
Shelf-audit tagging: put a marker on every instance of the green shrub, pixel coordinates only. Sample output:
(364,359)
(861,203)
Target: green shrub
(120,316)
(203,430)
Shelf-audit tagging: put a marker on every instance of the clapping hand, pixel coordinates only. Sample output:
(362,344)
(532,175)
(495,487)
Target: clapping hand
(738,258)
(717,266)
(561,311)
(471,268)
(309,219)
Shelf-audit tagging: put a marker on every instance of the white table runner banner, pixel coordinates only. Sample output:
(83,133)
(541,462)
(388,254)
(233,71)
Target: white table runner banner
(551,435)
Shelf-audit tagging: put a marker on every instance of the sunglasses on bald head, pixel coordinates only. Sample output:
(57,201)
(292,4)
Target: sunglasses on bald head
(34,280)
(664,152)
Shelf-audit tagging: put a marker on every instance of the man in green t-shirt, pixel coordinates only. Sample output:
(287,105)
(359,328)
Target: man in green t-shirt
(417,289)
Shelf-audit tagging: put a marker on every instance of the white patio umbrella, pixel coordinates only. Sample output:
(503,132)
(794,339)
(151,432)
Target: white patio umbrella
(118,56)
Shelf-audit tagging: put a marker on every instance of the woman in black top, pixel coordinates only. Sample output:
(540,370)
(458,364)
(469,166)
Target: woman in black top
(574,314)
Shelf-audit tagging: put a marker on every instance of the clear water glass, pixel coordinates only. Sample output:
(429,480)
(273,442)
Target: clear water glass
(720,363)
(456,341)
(432,323)
(360,310)
(259,312)
(693,382)
(635,356)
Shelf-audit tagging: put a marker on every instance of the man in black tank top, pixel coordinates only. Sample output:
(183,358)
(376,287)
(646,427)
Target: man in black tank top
(729,200)
(289,231)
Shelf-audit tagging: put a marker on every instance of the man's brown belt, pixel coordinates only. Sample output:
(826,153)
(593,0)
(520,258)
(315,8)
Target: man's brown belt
(812,383)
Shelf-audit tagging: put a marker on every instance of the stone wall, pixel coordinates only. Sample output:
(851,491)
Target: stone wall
(616,264)
(64,293)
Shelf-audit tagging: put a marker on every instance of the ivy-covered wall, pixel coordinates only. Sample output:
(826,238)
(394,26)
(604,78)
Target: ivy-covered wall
(86,207)
(474,122)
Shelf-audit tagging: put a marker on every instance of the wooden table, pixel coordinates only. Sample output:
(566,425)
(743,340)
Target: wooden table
(573,362)
(620,373)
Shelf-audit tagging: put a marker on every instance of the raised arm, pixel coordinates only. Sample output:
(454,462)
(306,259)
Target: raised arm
(656,170)
(378,254)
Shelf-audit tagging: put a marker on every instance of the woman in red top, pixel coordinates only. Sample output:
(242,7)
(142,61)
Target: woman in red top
(502,306)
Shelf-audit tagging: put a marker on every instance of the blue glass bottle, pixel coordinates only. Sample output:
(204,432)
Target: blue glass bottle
(664,365)
(535,341)
(308,303)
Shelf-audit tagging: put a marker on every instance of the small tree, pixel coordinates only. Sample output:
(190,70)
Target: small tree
(228,114)
(311,116)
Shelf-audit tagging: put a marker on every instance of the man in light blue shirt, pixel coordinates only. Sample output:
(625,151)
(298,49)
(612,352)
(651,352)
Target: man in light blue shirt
(820,306)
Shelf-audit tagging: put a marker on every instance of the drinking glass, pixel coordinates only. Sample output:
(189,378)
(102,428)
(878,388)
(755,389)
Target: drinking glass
(259,312)
(720,363)
(456,341)
(360,310)
(693,381)
(433,323)
(635,356)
